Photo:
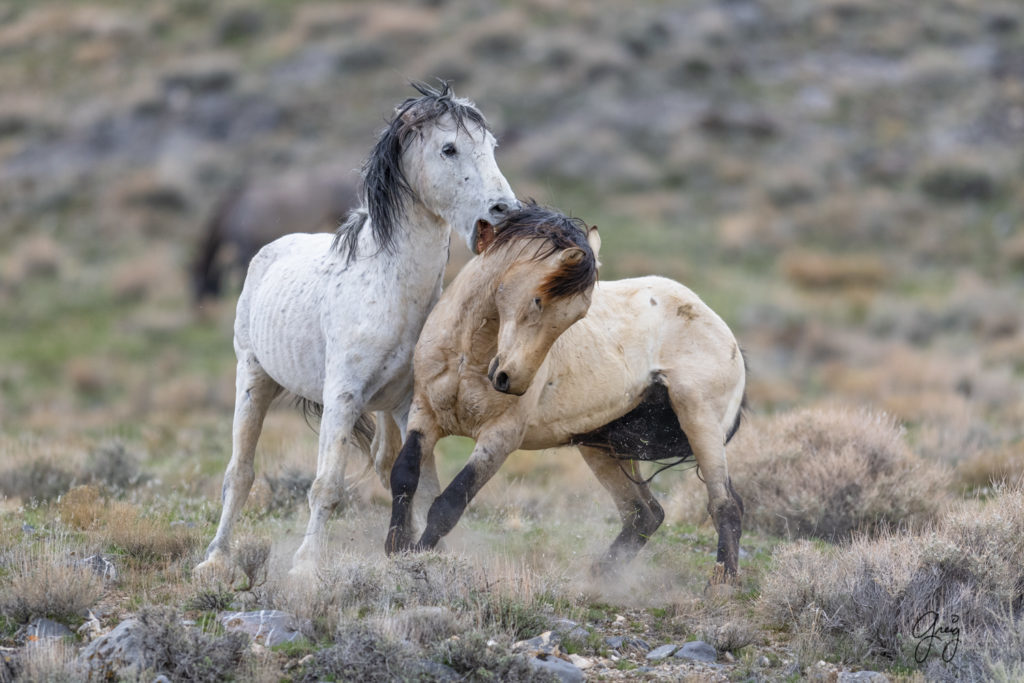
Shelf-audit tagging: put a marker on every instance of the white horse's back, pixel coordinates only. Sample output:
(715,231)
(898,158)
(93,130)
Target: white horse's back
(276,320)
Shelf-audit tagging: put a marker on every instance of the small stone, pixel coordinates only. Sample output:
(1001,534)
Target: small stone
(697,650)
(728,657)
(614,642)
(581,662)
(661,652)
(267,627)
(565,671)
(563,625)
(100,565)
(638,644)
(764,662)
(546,643)
(42,629)
(862,677)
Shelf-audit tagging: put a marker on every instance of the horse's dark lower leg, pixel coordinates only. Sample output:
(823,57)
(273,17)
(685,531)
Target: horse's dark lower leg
(448,508)
(637,527)
(405,476)
(728,518)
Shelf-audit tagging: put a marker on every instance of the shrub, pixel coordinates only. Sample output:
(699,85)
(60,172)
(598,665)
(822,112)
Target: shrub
(44,583)
(187,654)
(866,600)
(42,480)
(475,659)
(144,539)
(250,555)
(81,507)
(114,467)
(825,473)
(363,653)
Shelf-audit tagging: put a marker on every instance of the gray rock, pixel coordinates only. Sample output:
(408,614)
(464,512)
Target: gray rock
(862,677)
(661,652)
(101,565)
(46,628)
(546,643)
(117,654)
(614,642)
(638,644)
(566,672)
(8,664)
(437,671)
(268,627)
(698,650)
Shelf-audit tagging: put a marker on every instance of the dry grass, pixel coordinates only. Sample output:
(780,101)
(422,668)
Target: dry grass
(824,473)
(864,600)
(43,581)
(817,270)
(1004,465)
(145,541)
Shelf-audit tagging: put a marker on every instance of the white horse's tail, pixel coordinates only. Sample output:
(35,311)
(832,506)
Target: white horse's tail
(387,442)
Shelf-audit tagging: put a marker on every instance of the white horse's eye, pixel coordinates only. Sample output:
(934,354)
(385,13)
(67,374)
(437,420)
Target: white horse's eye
(536,303)
(449,149)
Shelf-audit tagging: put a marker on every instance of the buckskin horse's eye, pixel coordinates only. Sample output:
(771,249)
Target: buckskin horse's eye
(449,149)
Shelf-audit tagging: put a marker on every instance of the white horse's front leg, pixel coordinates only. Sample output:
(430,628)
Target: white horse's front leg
(254,391)
(337,443)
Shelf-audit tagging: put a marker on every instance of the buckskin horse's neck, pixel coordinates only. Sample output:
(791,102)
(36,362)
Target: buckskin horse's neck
(477,286)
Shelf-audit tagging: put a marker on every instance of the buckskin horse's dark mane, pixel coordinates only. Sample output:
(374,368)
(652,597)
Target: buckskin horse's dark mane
(385,186)
(533,221)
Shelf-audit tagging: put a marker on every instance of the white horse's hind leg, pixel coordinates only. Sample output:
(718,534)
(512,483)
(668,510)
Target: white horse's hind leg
(254,391)
(337,444)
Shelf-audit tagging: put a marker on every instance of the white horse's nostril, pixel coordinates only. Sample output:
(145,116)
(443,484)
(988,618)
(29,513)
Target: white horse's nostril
(500,209)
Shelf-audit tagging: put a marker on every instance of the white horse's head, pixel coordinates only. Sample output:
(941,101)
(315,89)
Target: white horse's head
(439,152)
(544,285)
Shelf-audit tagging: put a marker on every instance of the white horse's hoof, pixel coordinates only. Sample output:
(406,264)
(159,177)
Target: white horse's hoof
(216,568)
(302,570)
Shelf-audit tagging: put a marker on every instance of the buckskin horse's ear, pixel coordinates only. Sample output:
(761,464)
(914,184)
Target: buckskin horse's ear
(571,256)
(484,236)
(594,240)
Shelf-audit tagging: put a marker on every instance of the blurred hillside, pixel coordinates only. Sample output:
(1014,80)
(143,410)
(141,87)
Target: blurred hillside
(841,179)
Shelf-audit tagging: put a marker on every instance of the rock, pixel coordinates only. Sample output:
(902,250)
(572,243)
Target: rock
(638,644)
(545,643)
(764,662)
(8,663)
(115,655)
(41,629)
(697,650)
(581,663)
(435,671)
(268,627)
(101,565)
(91,628)
(862,677)
(614,642)
(565,671)
(661,652)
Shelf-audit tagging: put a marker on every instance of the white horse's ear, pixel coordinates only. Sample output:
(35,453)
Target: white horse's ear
(594,240)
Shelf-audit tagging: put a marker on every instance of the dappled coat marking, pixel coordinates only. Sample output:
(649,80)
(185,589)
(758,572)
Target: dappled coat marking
(333,320)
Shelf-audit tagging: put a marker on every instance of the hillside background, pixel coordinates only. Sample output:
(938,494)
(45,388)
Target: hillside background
(840,179)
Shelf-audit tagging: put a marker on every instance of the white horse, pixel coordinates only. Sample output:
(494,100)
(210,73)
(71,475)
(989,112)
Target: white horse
(637,369)
(333,320)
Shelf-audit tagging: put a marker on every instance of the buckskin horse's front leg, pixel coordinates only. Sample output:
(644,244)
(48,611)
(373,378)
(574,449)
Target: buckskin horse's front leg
(492,449)
(420,439)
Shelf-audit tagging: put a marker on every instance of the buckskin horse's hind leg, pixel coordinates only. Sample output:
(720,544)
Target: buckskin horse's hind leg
(707,438)
(254,391)
(640,512)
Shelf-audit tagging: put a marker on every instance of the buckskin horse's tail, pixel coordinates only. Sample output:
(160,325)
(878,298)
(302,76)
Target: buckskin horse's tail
(206,270)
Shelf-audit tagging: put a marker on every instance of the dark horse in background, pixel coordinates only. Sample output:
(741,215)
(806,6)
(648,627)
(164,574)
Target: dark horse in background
(253,213)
